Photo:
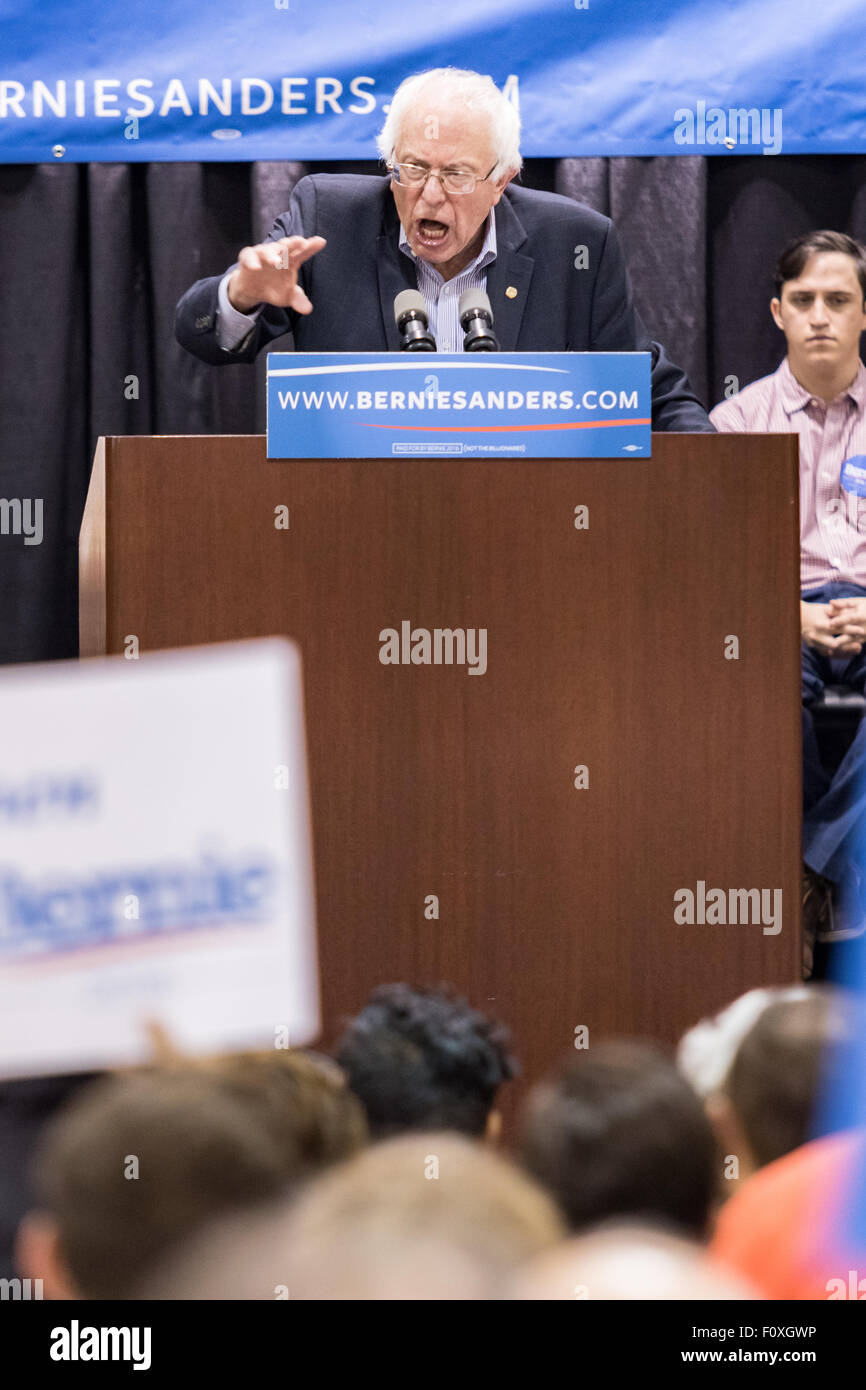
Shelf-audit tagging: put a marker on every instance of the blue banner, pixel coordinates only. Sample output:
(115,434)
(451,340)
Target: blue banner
(485,405)
(281,79)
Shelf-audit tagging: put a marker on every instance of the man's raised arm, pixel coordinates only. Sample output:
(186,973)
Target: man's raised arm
(230,317)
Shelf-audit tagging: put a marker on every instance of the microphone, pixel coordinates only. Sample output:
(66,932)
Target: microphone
(476,320)
(410,315)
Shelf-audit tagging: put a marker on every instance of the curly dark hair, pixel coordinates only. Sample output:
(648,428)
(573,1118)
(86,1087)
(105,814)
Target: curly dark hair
(424,1059)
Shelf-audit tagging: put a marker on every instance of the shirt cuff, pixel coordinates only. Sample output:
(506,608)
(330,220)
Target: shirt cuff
(233,327)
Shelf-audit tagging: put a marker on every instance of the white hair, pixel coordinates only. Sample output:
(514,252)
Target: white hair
(706,1052)
(479,93)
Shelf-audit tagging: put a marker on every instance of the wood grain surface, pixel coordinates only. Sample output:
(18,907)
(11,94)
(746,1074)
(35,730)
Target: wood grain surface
(605,648)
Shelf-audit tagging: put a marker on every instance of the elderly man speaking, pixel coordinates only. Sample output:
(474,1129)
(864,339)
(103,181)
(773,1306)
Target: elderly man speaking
(445,218)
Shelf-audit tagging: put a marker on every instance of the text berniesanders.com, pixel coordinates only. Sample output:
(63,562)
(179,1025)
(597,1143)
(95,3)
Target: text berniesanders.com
(458,400)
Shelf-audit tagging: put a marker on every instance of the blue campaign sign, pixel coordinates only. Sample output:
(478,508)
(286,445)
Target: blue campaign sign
(496,405)
(278,79)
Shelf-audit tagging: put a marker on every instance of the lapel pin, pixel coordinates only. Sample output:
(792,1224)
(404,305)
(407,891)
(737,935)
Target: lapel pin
(511,292)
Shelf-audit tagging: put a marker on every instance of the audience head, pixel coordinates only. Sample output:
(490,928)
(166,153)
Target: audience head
(303,1100)
(760,1065)
(422,1059)
(430,1216)
(137,1163)
(620,1133)
(706,1051)
(793,1049)
(630,1262)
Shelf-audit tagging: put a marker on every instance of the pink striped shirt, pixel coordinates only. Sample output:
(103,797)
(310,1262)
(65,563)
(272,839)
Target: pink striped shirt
(832,518)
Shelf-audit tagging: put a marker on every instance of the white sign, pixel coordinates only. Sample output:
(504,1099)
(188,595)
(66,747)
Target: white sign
(155,857)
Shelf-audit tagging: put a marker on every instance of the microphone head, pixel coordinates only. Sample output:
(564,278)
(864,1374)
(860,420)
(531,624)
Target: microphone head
(473,302)
(407,302)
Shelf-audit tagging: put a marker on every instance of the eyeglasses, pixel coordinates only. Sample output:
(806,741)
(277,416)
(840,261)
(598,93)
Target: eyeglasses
(452,180)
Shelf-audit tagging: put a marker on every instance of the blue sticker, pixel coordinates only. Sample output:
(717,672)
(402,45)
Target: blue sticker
(853,477)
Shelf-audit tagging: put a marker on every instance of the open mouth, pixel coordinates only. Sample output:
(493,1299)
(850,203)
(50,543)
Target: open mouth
(431,232)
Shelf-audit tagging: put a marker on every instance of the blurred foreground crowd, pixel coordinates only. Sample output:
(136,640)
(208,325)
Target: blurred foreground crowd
(381,1172)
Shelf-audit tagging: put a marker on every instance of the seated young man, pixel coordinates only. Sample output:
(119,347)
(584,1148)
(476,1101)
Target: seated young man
(819,391)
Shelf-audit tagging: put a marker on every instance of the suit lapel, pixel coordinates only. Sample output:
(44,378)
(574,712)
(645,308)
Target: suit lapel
(511,271)
(395,271)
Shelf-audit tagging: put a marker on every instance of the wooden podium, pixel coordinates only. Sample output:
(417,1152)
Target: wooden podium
(657,647)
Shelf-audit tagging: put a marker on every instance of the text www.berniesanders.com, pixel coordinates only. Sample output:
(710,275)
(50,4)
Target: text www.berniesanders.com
(458,400)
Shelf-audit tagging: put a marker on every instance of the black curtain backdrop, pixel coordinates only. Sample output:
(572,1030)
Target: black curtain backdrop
(94,257)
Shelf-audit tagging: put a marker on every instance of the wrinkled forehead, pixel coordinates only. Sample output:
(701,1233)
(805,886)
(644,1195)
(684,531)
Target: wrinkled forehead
(441,127)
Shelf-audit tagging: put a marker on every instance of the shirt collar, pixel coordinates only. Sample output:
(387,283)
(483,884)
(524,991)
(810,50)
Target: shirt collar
(795,397)
(484,257)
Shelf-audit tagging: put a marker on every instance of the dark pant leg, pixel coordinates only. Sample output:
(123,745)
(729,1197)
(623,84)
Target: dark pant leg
(814,675)
(834,826)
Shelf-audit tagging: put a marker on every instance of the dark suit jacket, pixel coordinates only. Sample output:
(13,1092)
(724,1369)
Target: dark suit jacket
(353,281)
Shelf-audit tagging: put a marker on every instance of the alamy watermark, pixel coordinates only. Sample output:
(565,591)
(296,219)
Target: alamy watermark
(22,516)
(729,907)
(77,1343)
(20,1290)
(735,127)
(438,646)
